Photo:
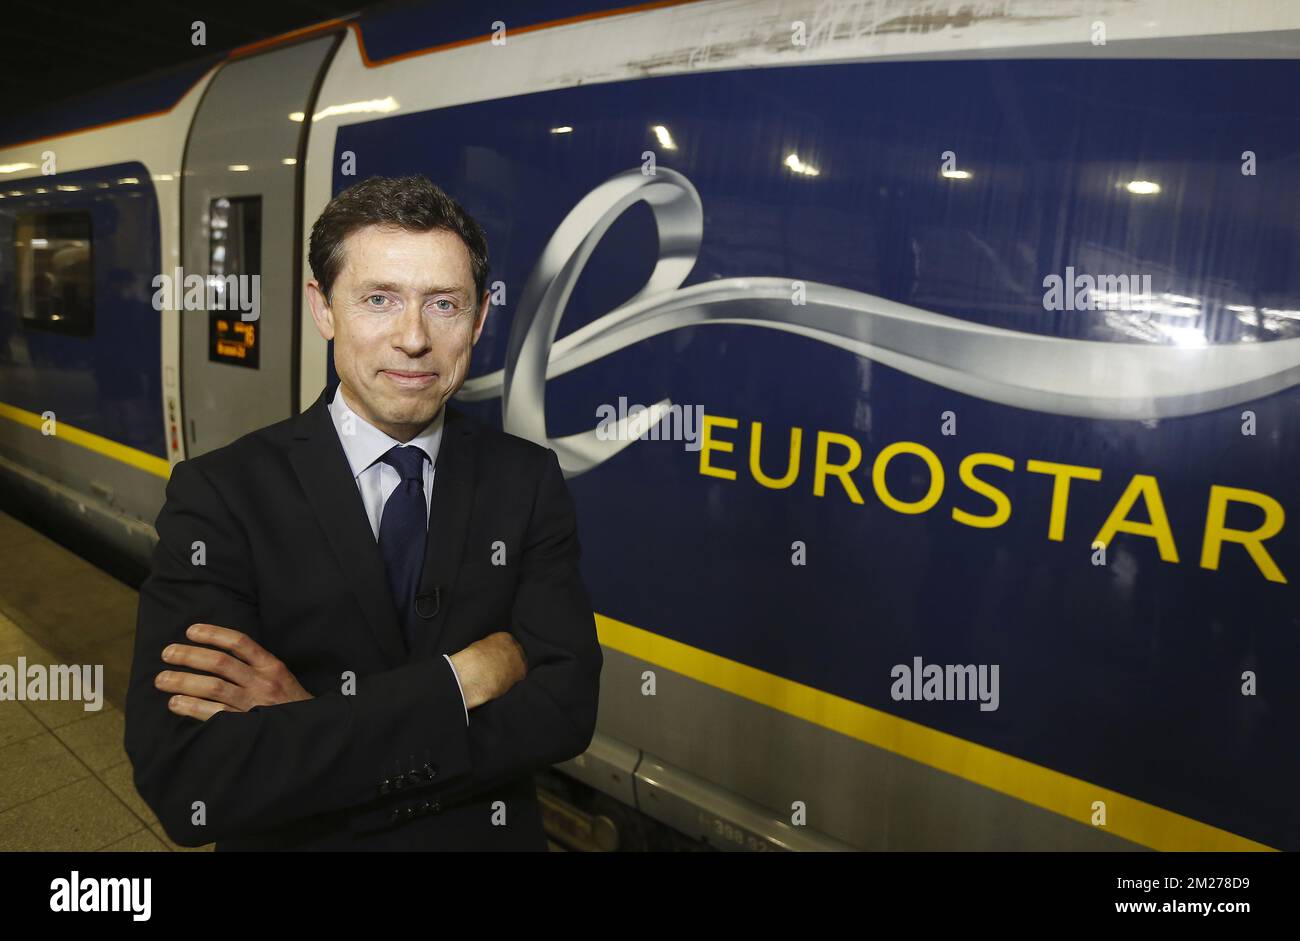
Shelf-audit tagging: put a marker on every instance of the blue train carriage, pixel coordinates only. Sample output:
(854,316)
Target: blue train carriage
(926,384)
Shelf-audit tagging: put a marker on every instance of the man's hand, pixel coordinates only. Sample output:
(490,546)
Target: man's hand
(488,667)
(252,677)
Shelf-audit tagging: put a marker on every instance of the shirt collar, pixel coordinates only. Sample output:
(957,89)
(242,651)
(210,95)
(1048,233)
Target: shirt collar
(367,444)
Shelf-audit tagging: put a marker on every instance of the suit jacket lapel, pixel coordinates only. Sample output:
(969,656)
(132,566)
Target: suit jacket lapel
(326,478)
(453,497)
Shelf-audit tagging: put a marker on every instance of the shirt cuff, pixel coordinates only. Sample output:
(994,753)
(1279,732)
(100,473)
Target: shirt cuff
(458,686)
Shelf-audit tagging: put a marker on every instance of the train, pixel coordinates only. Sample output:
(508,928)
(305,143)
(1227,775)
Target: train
(924,374)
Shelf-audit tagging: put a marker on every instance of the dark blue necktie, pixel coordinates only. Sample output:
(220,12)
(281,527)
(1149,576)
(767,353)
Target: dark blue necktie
(403,531)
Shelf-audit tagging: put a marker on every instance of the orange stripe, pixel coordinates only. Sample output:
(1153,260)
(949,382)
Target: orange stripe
(263,44)
(97,127)
(300,33)
(241,51)
(549,24)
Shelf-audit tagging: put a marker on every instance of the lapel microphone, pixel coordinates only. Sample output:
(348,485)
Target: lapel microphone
(427,605)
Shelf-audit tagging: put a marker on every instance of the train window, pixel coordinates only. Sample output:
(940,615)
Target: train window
(234,279)
(54,275)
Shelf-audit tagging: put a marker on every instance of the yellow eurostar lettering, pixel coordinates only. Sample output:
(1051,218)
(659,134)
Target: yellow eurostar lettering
(1063,473)
(1143,485)
(1216,533)
(936,477)
(707,444)
(1001,503)
(756,449)
(823,467)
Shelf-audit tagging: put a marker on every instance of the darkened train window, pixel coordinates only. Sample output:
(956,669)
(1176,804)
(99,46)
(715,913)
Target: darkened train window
(234,279)
(54,274)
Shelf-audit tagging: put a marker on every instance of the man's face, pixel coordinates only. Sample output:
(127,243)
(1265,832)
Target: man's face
(403,318)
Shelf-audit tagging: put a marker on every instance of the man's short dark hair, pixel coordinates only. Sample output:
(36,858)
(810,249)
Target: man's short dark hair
(406,202)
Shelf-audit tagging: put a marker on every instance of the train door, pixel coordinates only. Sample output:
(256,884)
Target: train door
(241,232)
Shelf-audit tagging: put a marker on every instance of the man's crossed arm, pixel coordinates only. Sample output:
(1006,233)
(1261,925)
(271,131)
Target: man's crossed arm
(250,675)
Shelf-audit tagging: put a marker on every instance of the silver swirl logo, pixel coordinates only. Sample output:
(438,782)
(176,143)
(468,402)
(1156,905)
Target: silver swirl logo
(1082,378)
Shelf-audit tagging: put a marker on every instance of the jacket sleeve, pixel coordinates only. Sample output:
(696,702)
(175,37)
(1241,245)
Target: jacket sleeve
(242,772)
(550,715)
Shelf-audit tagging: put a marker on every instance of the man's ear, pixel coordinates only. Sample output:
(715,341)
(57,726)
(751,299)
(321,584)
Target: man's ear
(320,309)
(482,315)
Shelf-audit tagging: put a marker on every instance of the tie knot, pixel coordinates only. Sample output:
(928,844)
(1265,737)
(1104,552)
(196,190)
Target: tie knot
(407,461)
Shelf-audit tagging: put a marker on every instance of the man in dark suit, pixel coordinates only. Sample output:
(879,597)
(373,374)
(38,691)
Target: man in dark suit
(365,627)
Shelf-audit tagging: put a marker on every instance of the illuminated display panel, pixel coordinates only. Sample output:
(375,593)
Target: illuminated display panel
(234,278)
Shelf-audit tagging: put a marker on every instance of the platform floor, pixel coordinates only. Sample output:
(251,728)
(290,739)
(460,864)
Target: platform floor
(65,780)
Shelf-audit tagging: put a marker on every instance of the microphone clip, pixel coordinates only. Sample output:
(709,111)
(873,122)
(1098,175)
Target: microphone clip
(427,605)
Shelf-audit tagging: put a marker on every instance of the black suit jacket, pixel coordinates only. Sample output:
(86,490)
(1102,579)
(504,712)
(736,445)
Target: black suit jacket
(291,560)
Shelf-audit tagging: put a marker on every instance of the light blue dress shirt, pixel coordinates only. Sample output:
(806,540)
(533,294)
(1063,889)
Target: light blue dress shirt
(364,445)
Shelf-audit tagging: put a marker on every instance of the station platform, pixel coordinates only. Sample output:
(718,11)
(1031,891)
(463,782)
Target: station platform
(65,779)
